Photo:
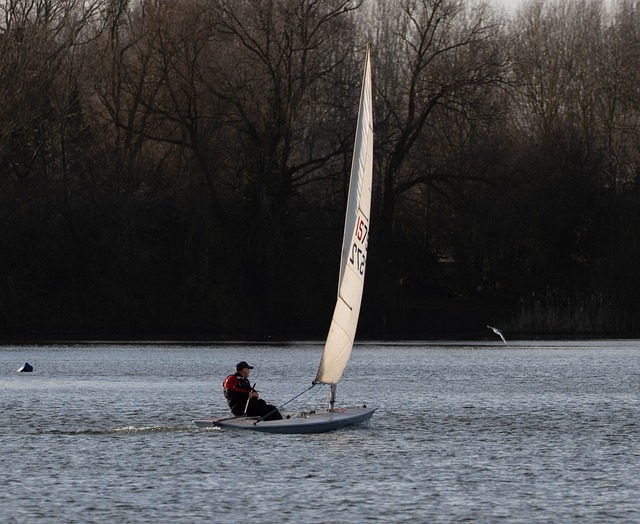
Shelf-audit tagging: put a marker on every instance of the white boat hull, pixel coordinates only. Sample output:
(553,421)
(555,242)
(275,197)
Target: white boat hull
(311,422)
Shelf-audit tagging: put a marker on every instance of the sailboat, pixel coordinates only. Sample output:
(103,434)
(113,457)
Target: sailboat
(339,343)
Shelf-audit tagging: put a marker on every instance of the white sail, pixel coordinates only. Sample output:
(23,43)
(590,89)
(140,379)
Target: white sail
(355,242)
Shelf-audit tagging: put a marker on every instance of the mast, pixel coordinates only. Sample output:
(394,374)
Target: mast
(332,396)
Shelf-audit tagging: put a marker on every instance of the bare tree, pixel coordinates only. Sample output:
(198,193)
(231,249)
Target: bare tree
(285,61)
(119,72)
(574,66)
(438,88)
(286,57)
(447,55)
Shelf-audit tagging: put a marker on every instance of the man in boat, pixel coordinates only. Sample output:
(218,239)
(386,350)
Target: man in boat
(238,390)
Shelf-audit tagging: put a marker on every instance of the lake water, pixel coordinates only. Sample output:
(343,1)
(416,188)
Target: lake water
(465,432)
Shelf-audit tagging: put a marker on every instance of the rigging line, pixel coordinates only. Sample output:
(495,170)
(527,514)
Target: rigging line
(309,399)
(283,405)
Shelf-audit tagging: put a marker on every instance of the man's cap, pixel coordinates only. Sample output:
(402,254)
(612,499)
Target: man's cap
(241,365)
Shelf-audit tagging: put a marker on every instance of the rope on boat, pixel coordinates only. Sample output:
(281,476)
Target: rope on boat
(283,405)
(308,400)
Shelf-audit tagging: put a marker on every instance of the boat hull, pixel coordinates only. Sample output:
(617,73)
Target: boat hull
(312,422)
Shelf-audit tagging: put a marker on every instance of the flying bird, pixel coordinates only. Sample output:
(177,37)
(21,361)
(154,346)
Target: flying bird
(498,332)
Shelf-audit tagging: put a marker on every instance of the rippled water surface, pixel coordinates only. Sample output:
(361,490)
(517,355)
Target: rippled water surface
(475,432)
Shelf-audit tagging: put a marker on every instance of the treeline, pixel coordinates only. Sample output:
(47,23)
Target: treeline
(180,167)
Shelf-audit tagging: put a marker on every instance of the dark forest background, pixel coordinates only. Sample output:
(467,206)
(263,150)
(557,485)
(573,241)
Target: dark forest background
(179,168)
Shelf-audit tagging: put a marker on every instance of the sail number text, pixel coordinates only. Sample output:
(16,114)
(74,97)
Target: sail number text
(358,256)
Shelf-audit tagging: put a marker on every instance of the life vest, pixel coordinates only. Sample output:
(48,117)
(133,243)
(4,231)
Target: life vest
(236,387)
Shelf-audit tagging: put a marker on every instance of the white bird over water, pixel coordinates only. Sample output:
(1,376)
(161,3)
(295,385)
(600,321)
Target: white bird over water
(498,332)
